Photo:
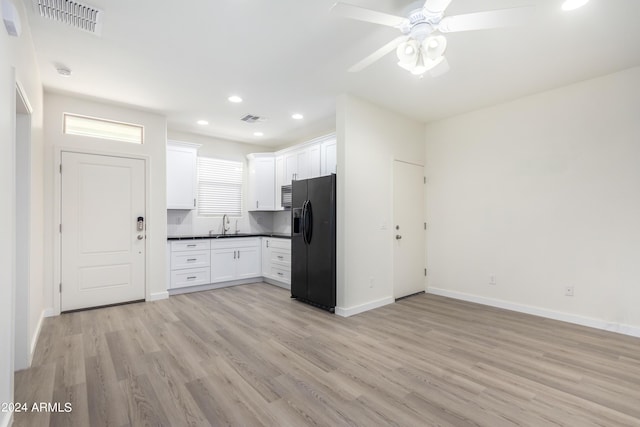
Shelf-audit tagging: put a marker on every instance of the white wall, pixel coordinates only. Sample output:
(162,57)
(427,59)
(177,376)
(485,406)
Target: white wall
(188,222)
(543,192)
(369,139)
(154,148)
(17,62)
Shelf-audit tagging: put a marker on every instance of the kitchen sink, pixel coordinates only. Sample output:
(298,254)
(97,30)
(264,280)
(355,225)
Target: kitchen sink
(226,236)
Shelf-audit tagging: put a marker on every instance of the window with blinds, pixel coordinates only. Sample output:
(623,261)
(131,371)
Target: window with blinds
(219,187)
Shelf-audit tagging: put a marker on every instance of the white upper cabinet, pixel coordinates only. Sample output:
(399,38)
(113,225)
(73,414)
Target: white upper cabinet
(290,168)
(328,156)
(268,172)
(181,175)
(302,163)
(313,170)
(262,182)
(279,181)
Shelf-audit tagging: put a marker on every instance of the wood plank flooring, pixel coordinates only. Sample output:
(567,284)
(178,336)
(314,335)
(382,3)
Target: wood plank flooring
(251,356)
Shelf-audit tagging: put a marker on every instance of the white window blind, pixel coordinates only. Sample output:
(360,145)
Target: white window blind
(219,187)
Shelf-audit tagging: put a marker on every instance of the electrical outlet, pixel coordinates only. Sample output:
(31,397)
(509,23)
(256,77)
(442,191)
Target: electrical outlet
(492,279)
(568,291)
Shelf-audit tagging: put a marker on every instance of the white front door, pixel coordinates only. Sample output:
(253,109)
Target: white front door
(103,251)
(408,229)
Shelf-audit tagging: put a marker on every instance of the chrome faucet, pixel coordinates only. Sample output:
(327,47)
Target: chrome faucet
(225,226)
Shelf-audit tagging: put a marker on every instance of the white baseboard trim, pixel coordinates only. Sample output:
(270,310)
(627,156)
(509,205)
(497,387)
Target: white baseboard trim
(49,312)
(36,335)
(211,286)
(7,419)
(357,309)
(276,283)
(542,312)
(155,296)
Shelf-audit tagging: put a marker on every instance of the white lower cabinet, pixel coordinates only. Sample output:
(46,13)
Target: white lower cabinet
(199,262)
(276,259)
(190,277)
(189,263)
(235,259)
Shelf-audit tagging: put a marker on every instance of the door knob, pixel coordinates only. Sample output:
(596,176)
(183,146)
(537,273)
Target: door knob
(398,237)
(140,237)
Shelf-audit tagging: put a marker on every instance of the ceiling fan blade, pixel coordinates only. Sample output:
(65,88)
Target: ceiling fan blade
(436,7)
(361,14)
(392,45)
(440,69)
(486,20)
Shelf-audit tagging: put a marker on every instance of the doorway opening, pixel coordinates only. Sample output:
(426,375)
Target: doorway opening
(22,167)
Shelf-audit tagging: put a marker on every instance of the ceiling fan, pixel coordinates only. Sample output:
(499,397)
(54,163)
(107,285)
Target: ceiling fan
(420,48)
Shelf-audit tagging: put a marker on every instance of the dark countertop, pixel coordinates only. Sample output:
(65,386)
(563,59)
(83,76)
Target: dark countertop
(229,236)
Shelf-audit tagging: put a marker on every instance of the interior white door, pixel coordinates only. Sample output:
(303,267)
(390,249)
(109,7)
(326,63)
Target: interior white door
(408,229)
(103,251)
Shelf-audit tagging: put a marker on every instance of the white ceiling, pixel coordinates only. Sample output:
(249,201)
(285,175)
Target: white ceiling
(183,59)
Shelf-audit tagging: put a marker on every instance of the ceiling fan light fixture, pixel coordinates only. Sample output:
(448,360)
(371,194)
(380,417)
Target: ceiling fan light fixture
(435,46)
(408,51)
(573,4)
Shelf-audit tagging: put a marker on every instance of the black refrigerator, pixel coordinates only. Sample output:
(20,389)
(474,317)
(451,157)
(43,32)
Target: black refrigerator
(313,241)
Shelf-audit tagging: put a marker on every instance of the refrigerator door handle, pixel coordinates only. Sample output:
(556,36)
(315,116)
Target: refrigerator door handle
(302,221)
(308,226)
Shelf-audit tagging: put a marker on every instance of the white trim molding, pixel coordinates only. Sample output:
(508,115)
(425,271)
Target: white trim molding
(156,296)
(357,309)
(7,419)
(542,312)
(36,335)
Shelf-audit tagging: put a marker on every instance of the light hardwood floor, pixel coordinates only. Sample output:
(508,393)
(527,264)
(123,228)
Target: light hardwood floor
(249,355)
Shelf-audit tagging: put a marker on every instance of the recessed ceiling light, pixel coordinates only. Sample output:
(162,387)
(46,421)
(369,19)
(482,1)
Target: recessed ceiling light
(573,4)
(297,116)
(202,122)
(235,99)
(258,134)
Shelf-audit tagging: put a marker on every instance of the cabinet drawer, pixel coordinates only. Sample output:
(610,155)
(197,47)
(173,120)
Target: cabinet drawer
(190,245)
(280,256)
(190,259)
(281,274)
(190,277)
(279,243)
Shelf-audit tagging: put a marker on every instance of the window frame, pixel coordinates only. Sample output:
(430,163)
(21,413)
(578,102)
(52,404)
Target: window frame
(239,184)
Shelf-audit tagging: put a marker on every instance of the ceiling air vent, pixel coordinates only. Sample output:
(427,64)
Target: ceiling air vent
(77,15)
(250,118)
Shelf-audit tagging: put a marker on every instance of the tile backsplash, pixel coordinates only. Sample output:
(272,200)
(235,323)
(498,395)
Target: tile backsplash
(186,222)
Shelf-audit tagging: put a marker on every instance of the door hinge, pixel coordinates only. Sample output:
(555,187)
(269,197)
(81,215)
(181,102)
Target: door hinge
(60,228)
(425,225)
(60,167)
(60,287)
(425,271)
(425,179)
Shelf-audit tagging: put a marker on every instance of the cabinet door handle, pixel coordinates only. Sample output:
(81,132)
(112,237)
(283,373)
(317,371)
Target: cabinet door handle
(191,277)
(257,204)
(234,254)
(192,259)
(267,243)
(280,274)
(280,257)
(191,246)
(194,202)
(238,254)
